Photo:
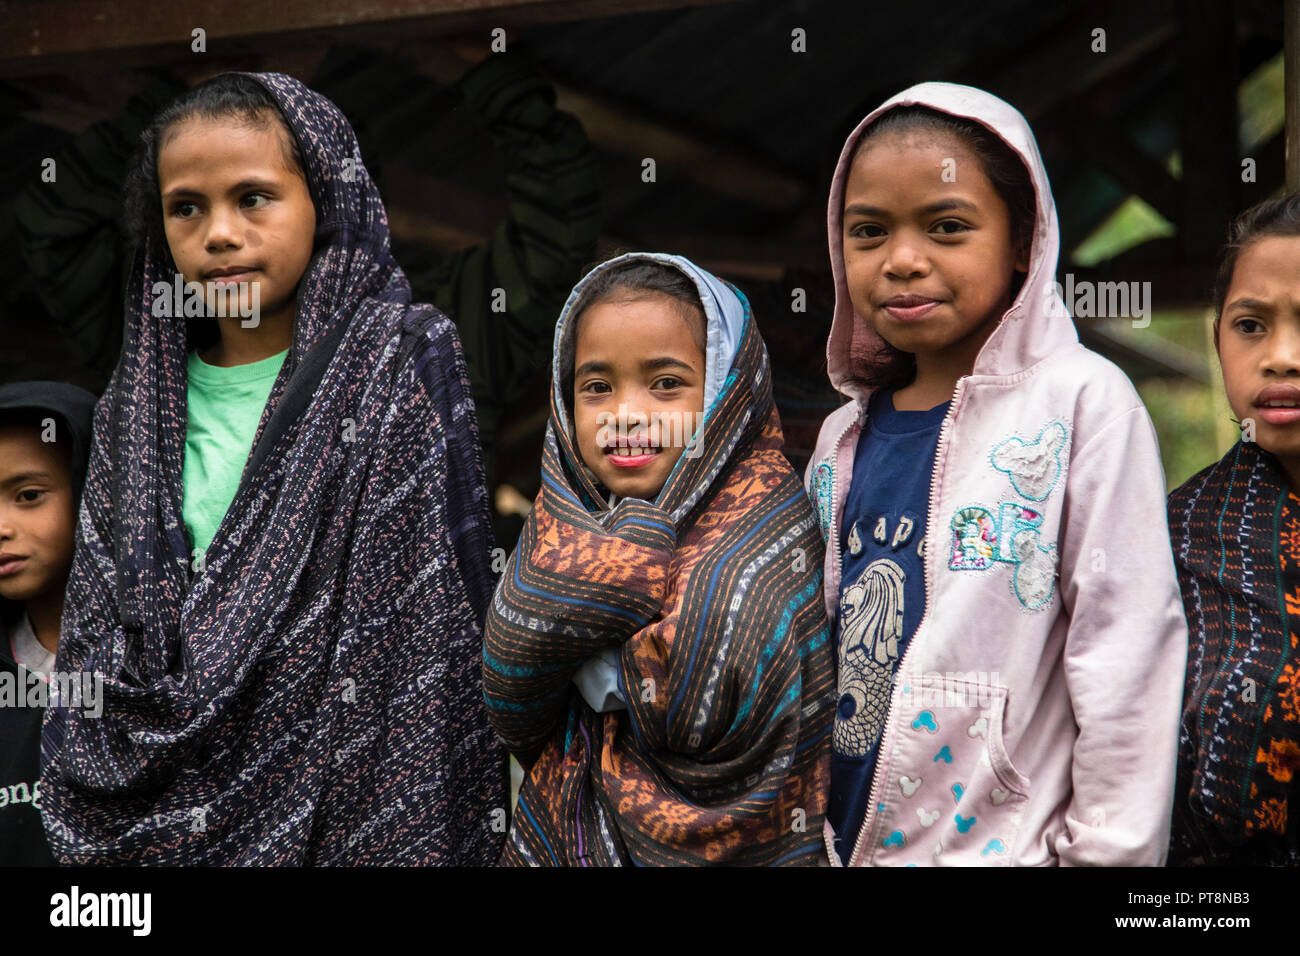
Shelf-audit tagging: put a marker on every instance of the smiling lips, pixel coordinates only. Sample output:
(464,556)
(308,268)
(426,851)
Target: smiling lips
(1279,404)
(909,308)
(632,452)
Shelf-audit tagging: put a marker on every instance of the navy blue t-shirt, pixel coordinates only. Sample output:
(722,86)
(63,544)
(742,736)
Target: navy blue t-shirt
(882,592)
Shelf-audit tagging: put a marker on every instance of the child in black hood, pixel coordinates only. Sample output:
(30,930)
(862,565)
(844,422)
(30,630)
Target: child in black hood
(44,444)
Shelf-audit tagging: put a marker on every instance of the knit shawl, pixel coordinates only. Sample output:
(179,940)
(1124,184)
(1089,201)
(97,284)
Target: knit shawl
(310,694)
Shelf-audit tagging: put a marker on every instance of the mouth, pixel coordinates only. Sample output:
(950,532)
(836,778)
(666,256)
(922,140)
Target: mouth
(1279,404)
(11,564)
(908,308)
(230,274)
(632,452)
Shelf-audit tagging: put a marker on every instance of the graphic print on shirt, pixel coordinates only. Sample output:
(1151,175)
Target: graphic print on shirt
(871,616)
(981,539)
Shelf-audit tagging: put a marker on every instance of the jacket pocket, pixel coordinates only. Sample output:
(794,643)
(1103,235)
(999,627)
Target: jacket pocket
(953,797)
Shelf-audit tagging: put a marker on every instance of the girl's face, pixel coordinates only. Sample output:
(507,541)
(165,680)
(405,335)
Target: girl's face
(638,392)
(234,212)
(37,515)
(928,262)
(1259,345)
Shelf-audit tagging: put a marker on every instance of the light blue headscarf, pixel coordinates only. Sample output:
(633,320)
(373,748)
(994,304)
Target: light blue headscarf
(724,317)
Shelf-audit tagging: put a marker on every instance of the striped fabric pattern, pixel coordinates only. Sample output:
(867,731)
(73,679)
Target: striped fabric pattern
(312,693)
(1236,538)
(713,595)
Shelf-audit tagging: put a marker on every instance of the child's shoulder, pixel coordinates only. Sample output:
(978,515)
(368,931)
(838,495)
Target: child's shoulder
(1209,479)
(834,425)
(409,338)
(1090,374)
(1085,388)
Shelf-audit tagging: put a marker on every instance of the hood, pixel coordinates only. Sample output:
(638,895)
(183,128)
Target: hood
(1036,324)
(736,377)
(724,319)
(351,265)
(73,407)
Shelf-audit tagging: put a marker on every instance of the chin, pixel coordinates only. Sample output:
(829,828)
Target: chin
(1281,444)
(646,490)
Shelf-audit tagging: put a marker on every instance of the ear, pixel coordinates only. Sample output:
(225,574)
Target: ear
(1023,249)
(1217,319)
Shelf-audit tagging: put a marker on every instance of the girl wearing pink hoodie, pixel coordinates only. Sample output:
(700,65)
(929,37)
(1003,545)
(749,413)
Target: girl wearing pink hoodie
(1010,631)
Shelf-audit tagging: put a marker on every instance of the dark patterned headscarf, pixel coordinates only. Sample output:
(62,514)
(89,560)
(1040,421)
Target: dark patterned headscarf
(311,694)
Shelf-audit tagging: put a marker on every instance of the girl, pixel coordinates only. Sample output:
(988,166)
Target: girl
(687,561)
(44,443)
(1236,538)
(281,564)
(1009,634)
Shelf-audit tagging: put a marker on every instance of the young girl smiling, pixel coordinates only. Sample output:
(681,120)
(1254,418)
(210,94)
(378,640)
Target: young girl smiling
(1010,640)
(678,587)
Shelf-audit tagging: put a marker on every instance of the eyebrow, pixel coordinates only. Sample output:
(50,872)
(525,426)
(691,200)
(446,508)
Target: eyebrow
(242,186)
(649,365)
(25,476)
(941,205)
(1255,305)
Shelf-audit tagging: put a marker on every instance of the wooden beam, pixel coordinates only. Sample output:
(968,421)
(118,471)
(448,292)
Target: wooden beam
(623,129)
(1142,355)
(716,166)
(1065,54)
(50,36)
(1117,155)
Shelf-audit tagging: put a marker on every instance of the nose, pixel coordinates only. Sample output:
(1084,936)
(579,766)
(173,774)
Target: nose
(905,258)
(1282,351)
(7,528)
(224,231)
(634,409)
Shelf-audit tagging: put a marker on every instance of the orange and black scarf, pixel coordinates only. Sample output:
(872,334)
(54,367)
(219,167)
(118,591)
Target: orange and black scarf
(1236,540)
(712,595)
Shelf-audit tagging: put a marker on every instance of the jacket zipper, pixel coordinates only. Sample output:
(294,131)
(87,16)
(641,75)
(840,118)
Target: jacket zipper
(835,487)
(835,540)
(868,822)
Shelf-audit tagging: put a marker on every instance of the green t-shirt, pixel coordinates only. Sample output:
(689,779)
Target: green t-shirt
(225,407)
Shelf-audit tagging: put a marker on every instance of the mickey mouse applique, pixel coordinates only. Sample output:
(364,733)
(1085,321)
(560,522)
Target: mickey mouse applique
(1010,533)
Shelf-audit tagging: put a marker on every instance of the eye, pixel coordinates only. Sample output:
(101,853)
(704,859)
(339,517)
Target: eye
(951,227)
(31,495)
(595,386)
(1248,325)
(255,200)
(184,209)
(867,230)
(668,383)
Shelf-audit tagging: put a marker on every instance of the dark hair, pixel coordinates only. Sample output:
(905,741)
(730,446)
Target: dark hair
(631,281)
(234,95)
(1007,174)
(1272,217)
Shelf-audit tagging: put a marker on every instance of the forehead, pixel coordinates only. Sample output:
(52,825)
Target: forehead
(223,145)
(1272,261)
(912,160)
(633,328)
(21,449)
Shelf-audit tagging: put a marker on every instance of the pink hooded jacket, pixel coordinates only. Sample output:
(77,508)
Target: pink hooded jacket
(1034,715)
